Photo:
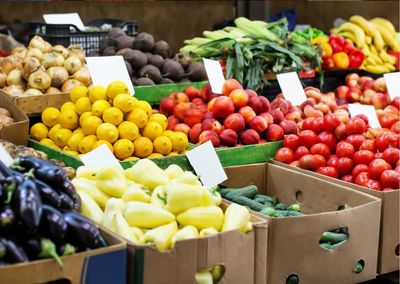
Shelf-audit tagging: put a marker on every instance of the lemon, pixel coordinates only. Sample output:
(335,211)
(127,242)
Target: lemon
(101,142)
(90,124)
(47,142)
(67,105)
(86,144)
(115,88)
(108,132)
(162,145)
(69,119)
(160,118)
(179,141)
(39,131)
(113,115)
(152,130)
(73,141)
(53,130)
(124,102)
(123,148)
(84,116)
(138,116)
(78,92)
(99,107)
(50,116)
(83,105)
(173,153)
(183,152)
(155,156)
(144,106)
(168,133)
(128,130)
(71,152)
(78,130)
(97,93)
(62,136)
(143,147)
(133,158)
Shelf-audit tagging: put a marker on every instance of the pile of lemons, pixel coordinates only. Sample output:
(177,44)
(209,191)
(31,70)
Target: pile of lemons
(97,115)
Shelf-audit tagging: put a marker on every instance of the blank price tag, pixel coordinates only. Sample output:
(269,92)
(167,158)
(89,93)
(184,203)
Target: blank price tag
(393,84)
(291,88)
(206,164)
(69,18)
(5,157)
(100,157)
(214,74)
(106,69)
(368,111)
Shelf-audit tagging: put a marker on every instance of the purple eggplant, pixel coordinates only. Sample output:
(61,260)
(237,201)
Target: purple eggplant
(14,253)
(52,223)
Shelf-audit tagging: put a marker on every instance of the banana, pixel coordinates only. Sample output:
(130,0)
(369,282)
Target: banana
(372,48)
(387,58)
(377,38)
(366,50)
(368,39)
(370,61)
(376,69)
(348,35)
(389,26)
(390,67)
(376,58)
(356,30)
(363,23)
(387,37)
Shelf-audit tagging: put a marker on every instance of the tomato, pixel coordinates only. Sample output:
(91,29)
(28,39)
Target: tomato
(306,125)
(359,169)
(356,140)
(369,145)
(395,127)
(328,139)
(378,155)
(377,167)
(363,157)
(362,178)
(317,125)
(307,138)
(284,155)
(388,119)
(344,166)
(391,155)
(355,125)
(291,141)
(348,178)
(320,160)
(309,162)
(390,178)
(321,149)
(363,117)
(386,139)
(294,163)
(373,184)
(300,152)
(340,132)
(331,122)
(328,171)
(344,149)
(332,161)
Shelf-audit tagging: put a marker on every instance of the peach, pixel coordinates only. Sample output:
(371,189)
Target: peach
(172,122)
(249,136)
(167,106)
(258,123)
(314,94)
(247,113)
(211,124)
(285,106)
(353,95)
(208,114)
(256,105)
(341,92)
(179,97)
(180,110)
(396,102)
(310,111)
(251,93)
(380,100)
(307,102)
(192,93)
(268,117)
(274,133)
(194,133)
(277,115)
(294,116)
(322,107)
(289,127)
(223,107)
(182,127)
(206,92)
(395,127)
(211,103)
(193,116)
(266,106)
(380,85)
(198,101)
(229,86)
(239,98)
(342,115)
(235,122)
(391,109)
(367,85)
(209,135)
(276,102)
(228,137)
(388,119)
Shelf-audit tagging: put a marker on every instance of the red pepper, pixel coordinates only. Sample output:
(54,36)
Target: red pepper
(395,54)
(356,58)
(328,63)
(348,46)
(336,42)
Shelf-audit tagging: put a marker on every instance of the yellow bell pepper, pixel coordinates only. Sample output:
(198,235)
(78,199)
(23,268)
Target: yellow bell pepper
(146,215)
(111,180)
(216,197)
(208,232)
(208,198)
(89,208)
(137,232)
(323,42)
(135,193)
(159,196)
(122,228)
(181,197)
(204,277)
(161,236)
(113,204)
(187,178)
(187,232)
(87,172)
(173,171)
(236,217)
(202,217)
(147,173)
(89,186)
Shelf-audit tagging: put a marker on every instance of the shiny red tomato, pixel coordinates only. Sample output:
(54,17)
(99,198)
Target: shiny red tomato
(320,160)
(284,155)
(344,166)
(378,155)
(328,171)
(363,157)
(369,145)
(328,139)
(344,149)
(356,140)
(300,152)
(355,125)
(348,178)
(373,184)
(309,162)
(363,117)
(317,125)
(362,178)
(377,167)
(307,138)
(386,139)
(332,161)
(390,178)
(391,155)
(359,169)
(331,122)
(291,141)
(307,123)
(321,149)
(340,132)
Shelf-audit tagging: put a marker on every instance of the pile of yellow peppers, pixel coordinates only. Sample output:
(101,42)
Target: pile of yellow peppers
(148,205)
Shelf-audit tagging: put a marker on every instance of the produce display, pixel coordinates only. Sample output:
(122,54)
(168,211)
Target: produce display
(43,69)
(148,205)
(150,62)
(130,128)
(5,117)
(211,275)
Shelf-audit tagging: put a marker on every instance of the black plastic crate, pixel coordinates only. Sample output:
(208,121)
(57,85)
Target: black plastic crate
(66,34)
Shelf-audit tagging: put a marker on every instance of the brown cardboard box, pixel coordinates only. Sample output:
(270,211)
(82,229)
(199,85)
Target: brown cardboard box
(293,242)
(244,258)
(389,239)
(17,132)
(104,265)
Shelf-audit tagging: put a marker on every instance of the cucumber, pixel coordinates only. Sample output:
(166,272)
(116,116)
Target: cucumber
(280,206)
(294,207)
(286,213)
(224,191)
(359,267)
(245,201)
(266,204)
(269,211)
(327,246)
(266,199)
(248,191)
(335,246)
(333,238)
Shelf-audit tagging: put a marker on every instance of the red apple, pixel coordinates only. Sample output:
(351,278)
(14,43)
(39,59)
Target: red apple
(182,127)
(223,107)
(209,135)
(249,136)
(396,102)
(239,98)
(193,116)
(395,127)
(228,137)
(211,124)
(235,122)
(229,86)
(340,132)
(388,119)
(274,133)
(167,106)
(247,113)
(194,133)
(331,122)
(318,125)
(307,123)
(258,123)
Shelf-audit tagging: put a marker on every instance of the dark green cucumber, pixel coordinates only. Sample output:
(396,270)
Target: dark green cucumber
(269,211)
(245,201)
(280,206)
(327,246)
(359,267)
(248,191)
(286,213)
(266,199)
(333,238)
(224,191)
(294,207)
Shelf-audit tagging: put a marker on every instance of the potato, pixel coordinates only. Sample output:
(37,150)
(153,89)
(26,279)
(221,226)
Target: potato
(5,120)
(5,112)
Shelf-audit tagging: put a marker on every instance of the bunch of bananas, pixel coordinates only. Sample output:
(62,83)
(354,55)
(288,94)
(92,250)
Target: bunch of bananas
(374,37)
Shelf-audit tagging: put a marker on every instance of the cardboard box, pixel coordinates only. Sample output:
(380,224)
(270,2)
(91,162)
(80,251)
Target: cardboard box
(17,132)
(389,239)
(104,265)
(293,242)
(244,258)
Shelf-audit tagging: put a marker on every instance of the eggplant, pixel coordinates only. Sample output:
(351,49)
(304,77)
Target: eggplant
(3,250)
(66,202)
(48,194)
(38,247)
(82,232)
(14,253)
(7,218)
(9,185)
(52,223)
(32,247)
(69,189)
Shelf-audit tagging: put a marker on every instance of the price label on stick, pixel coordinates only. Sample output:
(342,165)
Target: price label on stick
(106,69)
(68,18)
(214,74)
(5,157)
(100,157)
(393,84)
(291,87)
(368,111)
(206,164)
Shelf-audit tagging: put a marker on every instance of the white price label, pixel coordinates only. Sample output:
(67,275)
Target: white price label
(68,18)
(100,157)
(291,87)
(368,111)
(5,157)
(393,84)
(214,74)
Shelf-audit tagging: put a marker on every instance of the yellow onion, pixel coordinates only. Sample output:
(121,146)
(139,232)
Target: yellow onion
(14,90)
(10,63)
(61,50)
(15,77)
(53,90)
(33,92)
(38,42)
(83,76)
(58,75)
(52,59)
(34,52)
(18,49)
(29,65)
(21,54)
(76,50)
(3,79)
(39,80)
(47,47)
(72,64)
(69,84)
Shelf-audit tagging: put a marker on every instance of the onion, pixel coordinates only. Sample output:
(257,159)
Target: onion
(52,90)
(47,47)
(10,63)
(29,65)
(72,64)
(83,76)
(15,77)
(34,52)
(14,90)
(38,42)
(39,80)
(18,49)
(58,76)
(61,50)
(76,50)
(3,79)
(21,54)
(52,59)
(33,92)
(69,84)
